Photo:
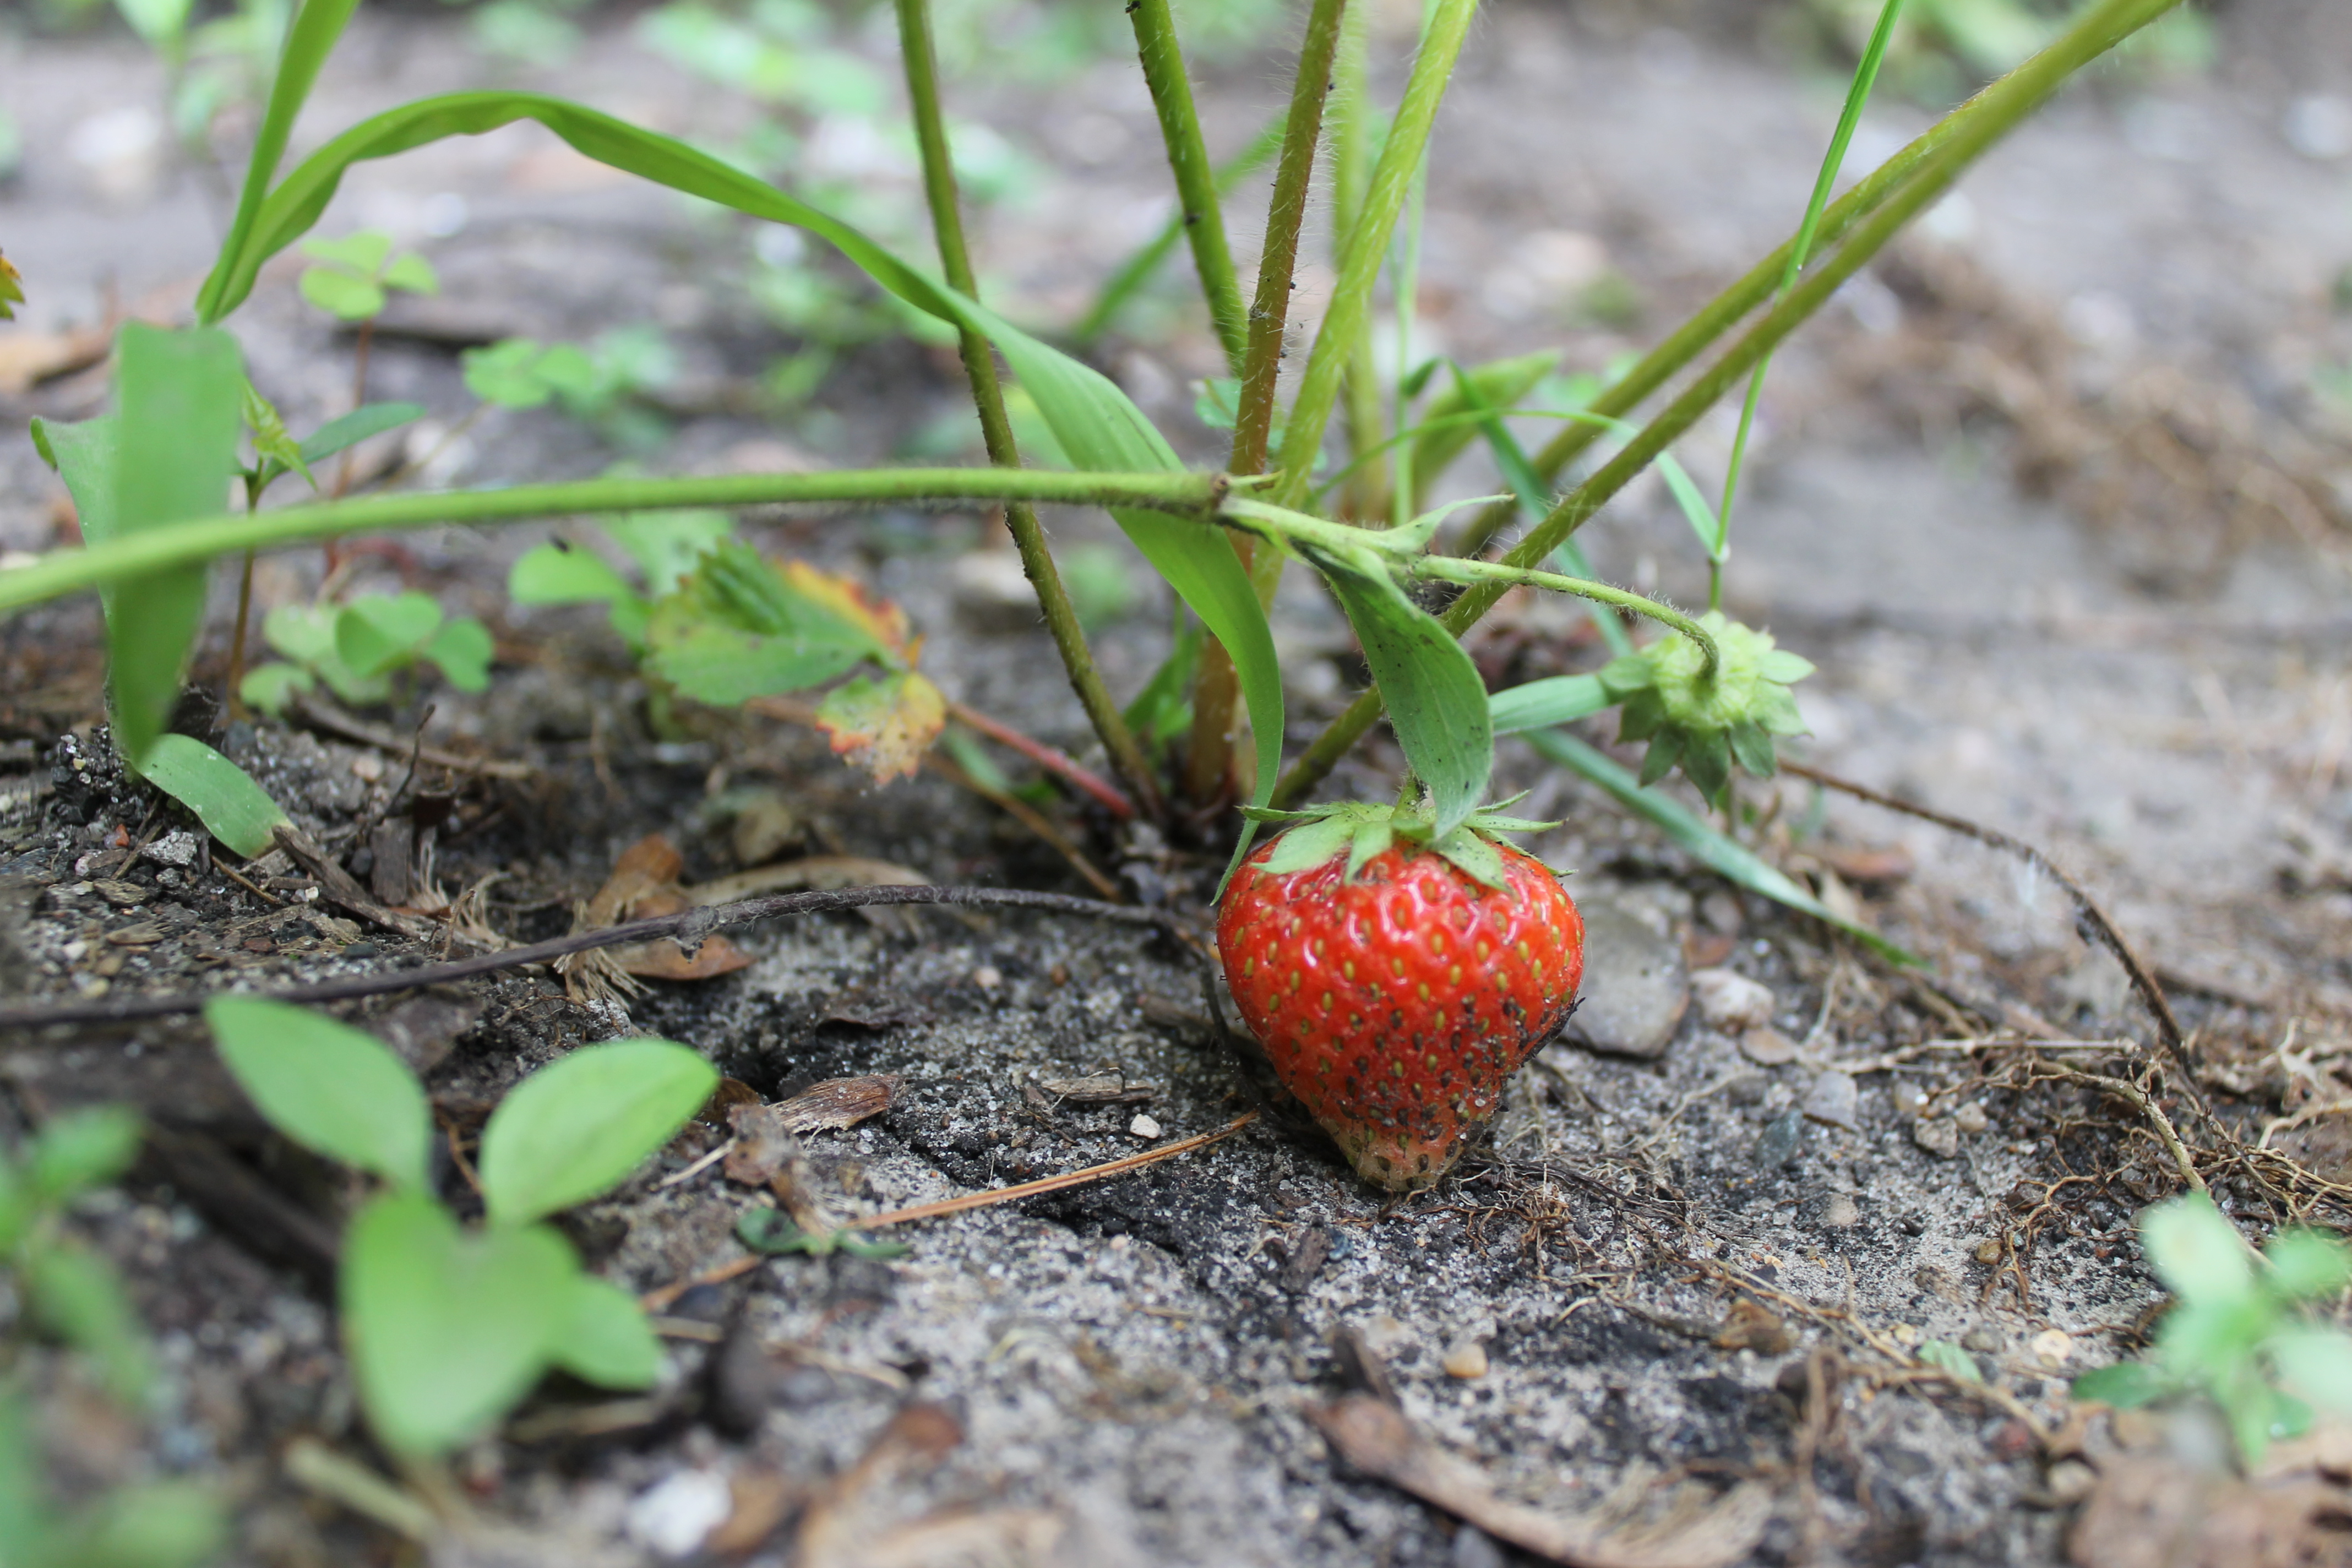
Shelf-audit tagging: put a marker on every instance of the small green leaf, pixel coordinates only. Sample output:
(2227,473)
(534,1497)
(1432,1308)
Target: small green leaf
(276,449)
(2306,1264)
(75,1295)
(736,629)
(181,397)
(2125,1385)
(363,252)
(2317,1363)
(669,545)
(233,809)
(506,373)
(1436,700)
(411,273)
(159,1524)
(2199,1255)
(325,1085)
(377,633)
(447,1331)
(341,295)
(369,419)
(463,649)
(81,1150)
(273,687)
(577,1128)
(605,1339)
(560,574)
(1541,704)
(1945,1356)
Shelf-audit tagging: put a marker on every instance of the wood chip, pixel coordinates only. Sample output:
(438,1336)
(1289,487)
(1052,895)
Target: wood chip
(122,895)
(1375,1439)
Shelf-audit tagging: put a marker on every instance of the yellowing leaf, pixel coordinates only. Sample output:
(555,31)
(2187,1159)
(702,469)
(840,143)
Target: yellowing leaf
(884,726)
(12,289)
(846,597)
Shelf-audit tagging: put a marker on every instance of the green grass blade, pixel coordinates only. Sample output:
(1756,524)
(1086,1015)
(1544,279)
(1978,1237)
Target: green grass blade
(1097,426)
(1140,268)
(1440,438)
(1733,861)
(181,397)
(308,41)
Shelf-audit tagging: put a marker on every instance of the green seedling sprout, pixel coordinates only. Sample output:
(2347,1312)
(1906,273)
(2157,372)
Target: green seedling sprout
(2250,1336)
(449,1326)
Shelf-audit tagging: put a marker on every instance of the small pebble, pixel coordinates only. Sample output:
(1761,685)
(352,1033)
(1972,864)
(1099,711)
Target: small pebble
(1908,1099)
(1840,1213)
(1465,1360)
(1939,1138)
(1636,988)
(1984,1340)
(1143,1127)
(1835,1100)
(1767,1046)
(1782,1137)
(177,849)
(2070,1481)
(988,977)
(362,949)
(1730,1000)
(2052,1347)
(674,1517)
(1972,1119)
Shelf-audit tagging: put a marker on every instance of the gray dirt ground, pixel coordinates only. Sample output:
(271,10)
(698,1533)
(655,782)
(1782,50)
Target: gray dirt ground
(1951,513)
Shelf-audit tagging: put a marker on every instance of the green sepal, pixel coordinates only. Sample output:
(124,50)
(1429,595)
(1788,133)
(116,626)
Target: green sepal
(1621,678)
(1659,761)
(1372,841)
(1475,856)
(1753,749)
(1639,719)
(1707,762)
(1309,843)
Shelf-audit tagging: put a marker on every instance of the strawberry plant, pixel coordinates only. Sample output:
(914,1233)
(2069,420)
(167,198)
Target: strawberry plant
(1208,730)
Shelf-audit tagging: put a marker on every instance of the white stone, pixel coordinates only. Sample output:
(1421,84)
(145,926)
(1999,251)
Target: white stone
(676,1516)
(1144,1126)
(177,849)
(1731,1002)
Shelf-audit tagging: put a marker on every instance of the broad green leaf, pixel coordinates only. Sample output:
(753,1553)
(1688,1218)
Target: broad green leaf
(233,809)
(380,632)
(1541,704)
(325,1085)
(83,456)
(2306,1264)
(303,632)
(605,1339)
(1098,426)
(75,1295)
(576,1127)
(81,1150)
(463,649)
(669,545)
(565,574)
(181,397)
(341,295)
(1499,384)
(1945,1356)
(2199,1255)
(506,374)
(2317,1361)
(1727,858)
(158,23)
(1436,700)
(447,1331)
(157,1525)
(2125,1385)
(369,419)
(362,254)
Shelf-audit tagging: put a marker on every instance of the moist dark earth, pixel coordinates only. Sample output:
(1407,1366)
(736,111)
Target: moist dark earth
(2055,496)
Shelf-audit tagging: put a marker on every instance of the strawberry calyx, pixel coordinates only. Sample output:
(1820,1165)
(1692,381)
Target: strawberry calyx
(1707,721)
(1360,831)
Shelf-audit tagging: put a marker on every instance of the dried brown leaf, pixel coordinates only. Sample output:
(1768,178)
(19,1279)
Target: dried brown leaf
(839,1102)
(762,1144)
(884,725)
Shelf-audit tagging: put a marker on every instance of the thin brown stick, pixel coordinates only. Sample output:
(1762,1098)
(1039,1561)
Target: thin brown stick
(657,1300)
(686,928)
(2092,918)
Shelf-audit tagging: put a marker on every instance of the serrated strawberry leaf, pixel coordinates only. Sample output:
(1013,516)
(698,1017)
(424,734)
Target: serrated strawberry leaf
(737,629)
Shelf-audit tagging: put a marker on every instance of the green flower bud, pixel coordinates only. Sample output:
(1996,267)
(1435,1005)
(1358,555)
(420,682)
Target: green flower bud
(1707,721)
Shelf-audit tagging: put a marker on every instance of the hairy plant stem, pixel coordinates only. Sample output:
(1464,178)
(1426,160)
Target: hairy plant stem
(1209,759)
(1196,179)
(1127,758)
(1981,121)
(201,539)
(1368,245)
(1865,75)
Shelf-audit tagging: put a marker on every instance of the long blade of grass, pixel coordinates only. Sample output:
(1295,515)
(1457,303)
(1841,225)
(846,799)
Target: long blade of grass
(1865,74)
(308,41)
(1097,426)
(1140,268)
(1725,857)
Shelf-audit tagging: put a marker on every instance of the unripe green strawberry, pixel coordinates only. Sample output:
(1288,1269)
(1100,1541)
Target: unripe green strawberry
(1395,987)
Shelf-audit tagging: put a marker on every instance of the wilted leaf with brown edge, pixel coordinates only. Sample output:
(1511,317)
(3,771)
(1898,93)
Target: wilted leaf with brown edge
(846,597)
(12,289)
(884,726)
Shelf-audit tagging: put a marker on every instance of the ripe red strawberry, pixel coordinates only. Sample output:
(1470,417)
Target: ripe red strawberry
(1398,985)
